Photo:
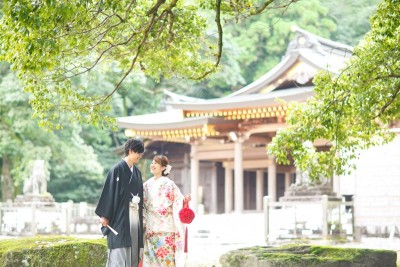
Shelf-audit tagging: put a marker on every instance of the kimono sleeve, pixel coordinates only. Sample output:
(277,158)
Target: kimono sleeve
(176,207)
(105,206)
(145,201)
(179,226)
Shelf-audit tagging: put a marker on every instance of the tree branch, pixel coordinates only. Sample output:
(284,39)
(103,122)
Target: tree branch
(262,7)
(220,41)
(389,102)
(146,34)
(155,8)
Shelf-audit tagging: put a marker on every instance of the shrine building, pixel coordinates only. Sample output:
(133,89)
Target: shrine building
(217,147)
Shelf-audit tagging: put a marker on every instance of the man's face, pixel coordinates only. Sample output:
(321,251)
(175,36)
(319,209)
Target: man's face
(134,156)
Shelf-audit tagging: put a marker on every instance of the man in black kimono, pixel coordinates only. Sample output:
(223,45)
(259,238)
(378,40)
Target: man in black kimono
(119,208)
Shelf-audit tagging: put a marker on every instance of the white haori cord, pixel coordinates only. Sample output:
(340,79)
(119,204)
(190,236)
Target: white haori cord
(134,205)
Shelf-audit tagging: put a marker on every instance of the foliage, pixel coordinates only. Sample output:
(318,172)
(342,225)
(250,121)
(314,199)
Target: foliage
(251,46)
(19,132)
(351,111)
(351,18)
(302,255)
(65,154)
(51,44)
(53,251)
(76,173)
(262,40)
(255,45)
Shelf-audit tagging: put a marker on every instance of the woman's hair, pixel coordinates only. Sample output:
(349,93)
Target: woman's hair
(163,161)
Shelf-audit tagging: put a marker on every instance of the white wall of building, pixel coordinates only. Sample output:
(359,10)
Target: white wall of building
(376,187)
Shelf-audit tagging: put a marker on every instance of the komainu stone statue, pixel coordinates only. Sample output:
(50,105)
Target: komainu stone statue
(37,183)
(35,188)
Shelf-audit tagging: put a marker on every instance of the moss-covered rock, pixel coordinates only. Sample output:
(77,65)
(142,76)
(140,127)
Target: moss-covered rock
(53,251)
(308,256)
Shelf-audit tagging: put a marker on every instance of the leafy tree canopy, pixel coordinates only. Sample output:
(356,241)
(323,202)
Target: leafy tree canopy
(255,45)
(71,165)
(262,40)
(52,44)
(351,111)
(76,173)
(351,18)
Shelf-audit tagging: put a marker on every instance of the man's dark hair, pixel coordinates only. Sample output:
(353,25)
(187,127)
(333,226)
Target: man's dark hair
(135,145)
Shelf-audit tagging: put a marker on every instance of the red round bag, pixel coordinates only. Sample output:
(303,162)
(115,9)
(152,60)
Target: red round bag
(186,215)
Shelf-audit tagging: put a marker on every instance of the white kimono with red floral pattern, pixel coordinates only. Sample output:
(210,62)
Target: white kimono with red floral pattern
(164,236)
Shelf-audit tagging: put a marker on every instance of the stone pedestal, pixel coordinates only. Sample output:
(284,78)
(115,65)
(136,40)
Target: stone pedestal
(312,193)
(45,199)
(309,192)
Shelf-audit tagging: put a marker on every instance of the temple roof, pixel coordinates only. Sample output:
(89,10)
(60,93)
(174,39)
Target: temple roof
(164,120)
(305,56)
(242,101)
(255,105)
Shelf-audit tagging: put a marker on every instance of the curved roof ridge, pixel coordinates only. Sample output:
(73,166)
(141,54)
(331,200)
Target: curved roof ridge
(318,52)
(181,98)
(287,61)
(321,53)
(323,40)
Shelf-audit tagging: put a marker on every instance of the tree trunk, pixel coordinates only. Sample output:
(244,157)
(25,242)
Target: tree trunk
(7,187)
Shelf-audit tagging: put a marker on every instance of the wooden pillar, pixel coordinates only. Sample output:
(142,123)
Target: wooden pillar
(214,191)
(228,190)
(266,218)
(259,189)
(272,181)
(238,176)
(288,180)
(194,177)
(186,173)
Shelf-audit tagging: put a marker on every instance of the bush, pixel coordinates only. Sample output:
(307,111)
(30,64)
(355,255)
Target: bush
(297,255)
(53,251)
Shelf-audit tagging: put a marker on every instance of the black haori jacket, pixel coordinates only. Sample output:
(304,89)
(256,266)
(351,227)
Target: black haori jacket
(114,204)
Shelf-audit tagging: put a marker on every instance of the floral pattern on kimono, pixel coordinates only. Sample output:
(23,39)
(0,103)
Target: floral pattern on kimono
(164,237)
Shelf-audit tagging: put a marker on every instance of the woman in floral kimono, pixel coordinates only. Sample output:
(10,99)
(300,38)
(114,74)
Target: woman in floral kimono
(164,237)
